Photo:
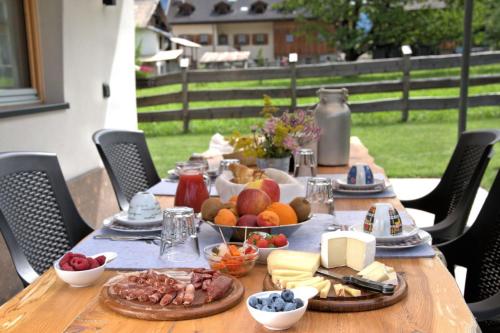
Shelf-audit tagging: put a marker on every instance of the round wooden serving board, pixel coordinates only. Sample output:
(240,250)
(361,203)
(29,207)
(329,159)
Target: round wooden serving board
(366,302)
(196,310)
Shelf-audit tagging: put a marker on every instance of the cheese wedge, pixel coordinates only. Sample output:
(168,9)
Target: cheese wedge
(287,272)
(368,269)
(343,290)
(309,282)
(323,293)
(293,260)
(347,248)
(377,271)
(282,281)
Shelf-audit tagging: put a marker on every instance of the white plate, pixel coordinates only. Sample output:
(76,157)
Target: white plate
(424,236)
(112,224)
(341,185)
(122,217)
(408,231)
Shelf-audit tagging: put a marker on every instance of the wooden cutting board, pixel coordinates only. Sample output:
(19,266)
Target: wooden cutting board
(196,310)
(366,302)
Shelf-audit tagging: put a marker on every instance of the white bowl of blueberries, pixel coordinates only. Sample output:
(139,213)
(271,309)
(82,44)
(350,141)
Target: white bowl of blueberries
(280,310)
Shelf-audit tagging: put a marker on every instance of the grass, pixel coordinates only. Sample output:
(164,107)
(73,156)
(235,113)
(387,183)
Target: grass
(419,148)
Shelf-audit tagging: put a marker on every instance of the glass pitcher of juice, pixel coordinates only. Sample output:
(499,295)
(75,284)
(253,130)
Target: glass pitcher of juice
(192,189)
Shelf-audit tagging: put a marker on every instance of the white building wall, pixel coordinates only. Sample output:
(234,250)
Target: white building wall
(231,29)
(98,47)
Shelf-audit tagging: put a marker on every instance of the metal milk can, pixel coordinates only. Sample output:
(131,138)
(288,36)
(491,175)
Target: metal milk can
(334,117)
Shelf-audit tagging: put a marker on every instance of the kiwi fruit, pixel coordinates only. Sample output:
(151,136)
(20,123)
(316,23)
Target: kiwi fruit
(302,208)
(210,208)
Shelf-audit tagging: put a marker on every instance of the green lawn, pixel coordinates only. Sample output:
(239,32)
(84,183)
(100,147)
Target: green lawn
(419,148)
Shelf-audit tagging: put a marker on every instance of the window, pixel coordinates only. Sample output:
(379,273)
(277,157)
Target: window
(185,9)
(289,38)
(222,39)
(258,7)
(222,8)
(20,79)
(259,39)
(205,39)
(241,39)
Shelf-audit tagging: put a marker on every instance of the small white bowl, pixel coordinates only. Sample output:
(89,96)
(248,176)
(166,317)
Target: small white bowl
(281,320)
(83,278)
(265,251)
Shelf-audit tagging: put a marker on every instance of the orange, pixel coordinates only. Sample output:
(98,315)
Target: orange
(225,217)
(233,199)
(285,212)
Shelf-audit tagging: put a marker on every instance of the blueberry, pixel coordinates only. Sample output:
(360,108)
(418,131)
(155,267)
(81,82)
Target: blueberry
(290,306)
(265,301)
(253,301)
(287,295)
(298,302)
(279,304)
(274,296)
(267,308)
(258,306)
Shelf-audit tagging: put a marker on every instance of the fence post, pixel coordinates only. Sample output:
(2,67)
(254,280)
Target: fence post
(184,63)
(406,50)
(292,60)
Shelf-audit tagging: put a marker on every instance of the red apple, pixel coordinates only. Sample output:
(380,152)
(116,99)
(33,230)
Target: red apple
(267,185)
(252,201)
(247,221)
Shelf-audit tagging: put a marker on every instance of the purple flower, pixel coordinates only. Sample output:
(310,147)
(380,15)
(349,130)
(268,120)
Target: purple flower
(270,126)
(290,143)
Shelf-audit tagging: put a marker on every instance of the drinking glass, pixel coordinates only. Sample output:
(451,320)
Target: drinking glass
(319,193)
(178,230)
(305,163)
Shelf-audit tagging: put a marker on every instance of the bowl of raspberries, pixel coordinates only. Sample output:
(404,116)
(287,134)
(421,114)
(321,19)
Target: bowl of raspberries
(280,310)
(267,243)
(78,270)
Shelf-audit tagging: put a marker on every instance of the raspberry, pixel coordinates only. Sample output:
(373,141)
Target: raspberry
(66,258)
(93,263)
(66,266)
(101,260)
(79,255)
(280,240)
(80,264)
(262,243)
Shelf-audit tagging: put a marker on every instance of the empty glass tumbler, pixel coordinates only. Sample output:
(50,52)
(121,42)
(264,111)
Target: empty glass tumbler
(178,229)
(305,163)
(319,192)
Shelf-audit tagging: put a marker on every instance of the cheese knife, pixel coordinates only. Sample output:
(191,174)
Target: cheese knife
(384,288)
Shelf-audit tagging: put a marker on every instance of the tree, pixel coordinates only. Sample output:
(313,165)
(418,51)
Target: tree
(357,26)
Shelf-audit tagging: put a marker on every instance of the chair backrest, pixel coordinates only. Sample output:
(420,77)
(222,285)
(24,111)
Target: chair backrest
(482,248)
(38,218)
(127,160)
(463,175)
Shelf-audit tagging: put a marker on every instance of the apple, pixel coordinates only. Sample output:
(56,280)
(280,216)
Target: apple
(252,201)
(247,221)
(267,185)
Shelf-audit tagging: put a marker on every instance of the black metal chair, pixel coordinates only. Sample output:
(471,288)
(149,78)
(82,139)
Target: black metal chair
(127,160)
(38,218)
(453,197)
(478,249)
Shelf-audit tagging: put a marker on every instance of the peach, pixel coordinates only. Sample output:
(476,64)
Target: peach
(225,217)
(252,201)
(268,219)
(267,185)
(247,221)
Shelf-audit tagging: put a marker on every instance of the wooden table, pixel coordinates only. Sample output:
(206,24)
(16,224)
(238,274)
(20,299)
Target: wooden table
(433,304)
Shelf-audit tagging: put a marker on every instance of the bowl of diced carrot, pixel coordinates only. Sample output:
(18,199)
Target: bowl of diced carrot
(236,259)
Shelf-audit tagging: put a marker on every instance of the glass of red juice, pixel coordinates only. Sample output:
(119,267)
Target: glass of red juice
(192,189)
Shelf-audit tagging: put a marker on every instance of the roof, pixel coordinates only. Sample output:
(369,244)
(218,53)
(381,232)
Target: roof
(231,56)
(204,12)
(143,10)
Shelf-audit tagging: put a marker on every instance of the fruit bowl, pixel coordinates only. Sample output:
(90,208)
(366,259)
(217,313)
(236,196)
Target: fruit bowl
(227,262)
(237,233)
(86,277)
(265,251)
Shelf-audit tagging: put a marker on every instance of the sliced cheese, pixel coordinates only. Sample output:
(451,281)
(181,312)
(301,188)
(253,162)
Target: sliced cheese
(293,260)
(282,281)
(343,290)
(370,268)
(323,293)
(287,272)
(377,271)
(309,282)
(347,248)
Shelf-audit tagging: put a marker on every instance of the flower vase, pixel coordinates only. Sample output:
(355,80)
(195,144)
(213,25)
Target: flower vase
(280,163)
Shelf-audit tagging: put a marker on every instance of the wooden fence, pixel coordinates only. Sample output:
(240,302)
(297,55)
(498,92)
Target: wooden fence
(404,65)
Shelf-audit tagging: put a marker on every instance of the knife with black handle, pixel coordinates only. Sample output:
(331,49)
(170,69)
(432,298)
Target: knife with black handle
(384,288)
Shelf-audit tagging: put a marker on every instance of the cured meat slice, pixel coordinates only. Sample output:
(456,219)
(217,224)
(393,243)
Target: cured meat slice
(168,298)
(179,299)
(218,288)
(206,284)
(188,294)
(155,298)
